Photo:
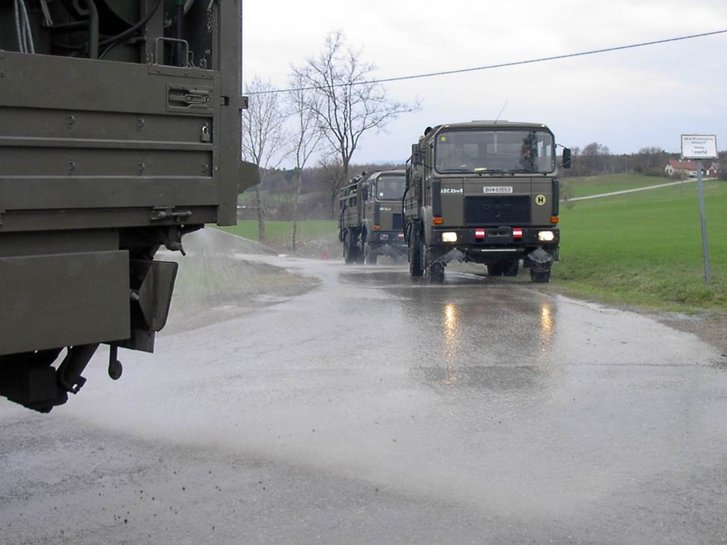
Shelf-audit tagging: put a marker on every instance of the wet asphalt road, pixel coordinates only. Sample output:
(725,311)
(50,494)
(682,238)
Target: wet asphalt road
(380,410)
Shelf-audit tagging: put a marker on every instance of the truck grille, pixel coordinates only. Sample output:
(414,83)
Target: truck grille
(498,210)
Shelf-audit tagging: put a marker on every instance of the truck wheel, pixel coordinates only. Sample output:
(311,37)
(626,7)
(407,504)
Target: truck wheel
(511,267)
(349,251)
(415,252)
(540,276)
(495,269)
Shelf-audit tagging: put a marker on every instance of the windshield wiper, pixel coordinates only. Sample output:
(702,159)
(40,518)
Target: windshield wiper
(511,171)
(484,170)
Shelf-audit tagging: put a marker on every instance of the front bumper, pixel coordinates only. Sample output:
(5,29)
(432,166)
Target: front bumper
(496,237)
(390,243)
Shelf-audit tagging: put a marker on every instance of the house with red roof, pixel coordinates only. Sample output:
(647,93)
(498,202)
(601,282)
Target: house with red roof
(678,168)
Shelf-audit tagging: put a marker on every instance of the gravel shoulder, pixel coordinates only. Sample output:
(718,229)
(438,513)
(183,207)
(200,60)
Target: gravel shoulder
(710,327)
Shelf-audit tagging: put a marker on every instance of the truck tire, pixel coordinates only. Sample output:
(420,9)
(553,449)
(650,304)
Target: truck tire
(496,269)
(511,267)
(359,252)
(415,252)
(433,267)
(349,249)
(367,256)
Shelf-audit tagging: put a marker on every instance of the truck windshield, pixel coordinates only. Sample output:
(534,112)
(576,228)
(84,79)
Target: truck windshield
(390,187)
(501,150)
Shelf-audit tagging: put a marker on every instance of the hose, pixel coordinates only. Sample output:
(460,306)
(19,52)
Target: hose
(23,28)
(109,43)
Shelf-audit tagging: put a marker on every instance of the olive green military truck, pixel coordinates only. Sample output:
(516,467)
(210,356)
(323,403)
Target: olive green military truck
(483,192)
(119,133)
(370,220)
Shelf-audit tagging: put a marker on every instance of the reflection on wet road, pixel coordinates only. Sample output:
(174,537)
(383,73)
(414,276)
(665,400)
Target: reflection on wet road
(380,409)
(485,339)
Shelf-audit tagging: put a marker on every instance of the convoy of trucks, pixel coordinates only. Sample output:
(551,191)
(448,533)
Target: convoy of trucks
(483,192)
(121,133)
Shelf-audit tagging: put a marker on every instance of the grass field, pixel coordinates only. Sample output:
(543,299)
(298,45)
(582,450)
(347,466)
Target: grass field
(595,185)
(278,234)
(641,249)
(645,248)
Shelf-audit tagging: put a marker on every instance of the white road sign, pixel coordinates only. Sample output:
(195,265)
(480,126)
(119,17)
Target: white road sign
(699,146)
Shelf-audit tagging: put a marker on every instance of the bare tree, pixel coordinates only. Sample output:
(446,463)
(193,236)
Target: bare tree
(651,161)
(263,137)
(349,102)
(592,160)
(305,138)
(332,175)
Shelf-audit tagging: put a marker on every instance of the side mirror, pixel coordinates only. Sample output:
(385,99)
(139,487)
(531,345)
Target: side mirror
(566,157)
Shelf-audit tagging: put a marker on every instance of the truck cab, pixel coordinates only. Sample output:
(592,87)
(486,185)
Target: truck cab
(483,192)
(370,219)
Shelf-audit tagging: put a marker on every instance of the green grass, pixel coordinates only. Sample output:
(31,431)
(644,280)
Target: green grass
(278,234)
(645,249)
(594,185)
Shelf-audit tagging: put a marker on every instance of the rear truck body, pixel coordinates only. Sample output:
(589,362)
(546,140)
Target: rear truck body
(120,133)
(370,221)
(483,192)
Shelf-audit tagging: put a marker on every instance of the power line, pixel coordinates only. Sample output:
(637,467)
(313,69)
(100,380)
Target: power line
(503,65)
(553,58)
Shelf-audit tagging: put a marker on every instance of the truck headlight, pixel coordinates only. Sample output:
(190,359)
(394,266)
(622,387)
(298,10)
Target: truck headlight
(546,236)
(449,236)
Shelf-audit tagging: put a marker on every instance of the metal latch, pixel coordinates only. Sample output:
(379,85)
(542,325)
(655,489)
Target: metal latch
(188,97)
(160,213)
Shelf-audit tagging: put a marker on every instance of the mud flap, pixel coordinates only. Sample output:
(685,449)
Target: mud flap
(538,260)
(151,298)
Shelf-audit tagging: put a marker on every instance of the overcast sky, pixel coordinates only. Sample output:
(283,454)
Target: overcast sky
(625,100)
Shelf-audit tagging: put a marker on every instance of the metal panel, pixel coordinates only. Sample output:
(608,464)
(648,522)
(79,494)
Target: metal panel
(494,211)
(60,300)
(107,135)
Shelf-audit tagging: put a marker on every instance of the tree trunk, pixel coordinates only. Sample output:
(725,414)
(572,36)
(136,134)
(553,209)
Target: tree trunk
(260,215)
(296,195)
